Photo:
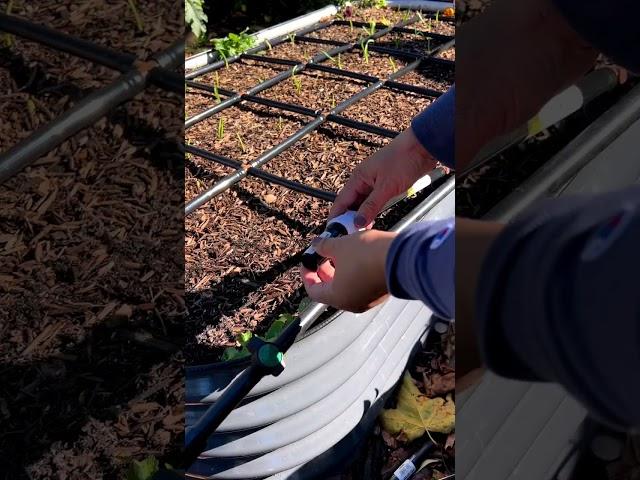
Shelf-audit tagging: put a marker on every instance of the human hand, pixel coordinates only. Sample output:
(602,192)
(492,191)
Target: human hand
(387,173)
(353,278)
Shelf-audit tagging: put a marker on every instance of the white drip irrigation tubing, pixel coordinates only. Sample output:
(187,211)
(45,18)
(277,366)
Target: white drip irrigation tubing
(209,56)
(420,5)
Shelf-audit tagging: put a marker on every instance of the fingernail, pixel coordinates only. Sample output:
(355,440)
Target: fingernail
(360,221)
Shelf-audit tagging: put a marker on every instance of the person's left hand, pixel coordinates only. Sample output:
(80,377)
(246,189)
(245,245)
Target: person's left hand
(353,278)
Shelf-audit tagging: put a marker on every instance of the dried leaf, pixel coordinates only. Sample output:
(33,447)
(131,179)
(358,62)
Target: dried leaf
(417,413)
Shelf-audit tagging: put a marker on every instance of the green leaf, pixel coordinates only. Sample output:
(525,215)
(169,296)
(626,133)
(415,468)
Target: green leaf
(243,338)
(277,326)
(143,470)
(195,17)
(304,304)
(231,353)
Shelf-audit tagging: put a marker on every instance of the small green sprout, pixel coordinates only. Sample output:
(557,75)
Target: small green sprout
(136,15)
(371,29)
(437,17)
(333,102)
(220,132)
(365,49)
(280,125)
(339,61)
(329,57)
(266,40)
(394,67)
(292,38)
(297,83)
(351,25)
(243,147)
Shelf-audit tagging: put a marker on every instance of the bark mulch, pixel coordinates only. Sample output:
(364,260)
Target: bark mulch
(90,256)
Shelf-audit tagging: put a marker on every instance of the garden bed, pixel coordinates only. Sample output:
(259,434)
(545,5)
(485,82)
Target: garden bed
(242,281)
(90,259)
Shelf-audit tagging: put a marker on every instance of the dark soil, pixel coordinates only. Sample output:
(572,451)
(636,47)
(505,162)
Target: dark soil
(241,76)
(90,258)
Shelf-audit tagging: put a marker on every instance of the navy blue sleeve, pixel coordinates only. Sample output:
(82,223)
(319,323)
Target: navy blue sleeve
(420,265)
(435,128)
(559,300)
(611,27)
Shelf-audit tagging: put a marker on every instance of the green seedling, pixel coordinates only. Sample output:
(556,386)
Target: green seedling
(365,49)
(329,57)
(243,147)
(371,29)
(274,331)
(266,40)
(437,17)
(396,42)
(143,470)
(333,102)
(7,38)
(339,61)
(292,38)
(351,25)
(297,83)
(406,15)
(220,131)
(373,3)
(394,67)
(233,44)
(429,44)
(280,125)
(136,15)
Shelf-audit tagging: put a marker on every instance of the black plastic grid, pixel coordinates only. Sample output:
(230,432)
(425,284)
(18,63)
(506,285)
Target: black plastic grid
(137,75)
(319,117)
(197,435)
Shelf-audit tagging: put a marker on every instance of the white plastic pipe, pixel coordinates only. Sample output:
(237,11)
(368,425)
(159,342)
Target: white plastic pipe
(208,56)
(420,5)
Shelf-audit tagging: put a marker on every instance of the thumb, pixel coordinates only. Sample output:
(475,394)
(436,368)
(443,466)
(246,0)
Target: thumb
(325,247)
(370,208)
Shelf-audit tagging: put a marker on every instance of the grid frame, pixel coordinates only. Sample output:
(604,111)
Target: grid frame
(315,63)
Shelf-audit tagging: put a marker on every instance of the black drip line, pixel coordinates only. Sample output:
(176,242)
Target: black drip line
(315,63)
(135,78)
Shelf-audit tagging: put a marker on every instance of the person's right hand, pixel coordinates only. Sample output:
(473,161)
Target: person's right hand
(387,173)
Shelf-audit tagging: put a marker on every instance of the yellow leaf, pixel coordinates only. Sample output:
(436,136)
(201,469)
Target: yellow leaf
(417,413)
